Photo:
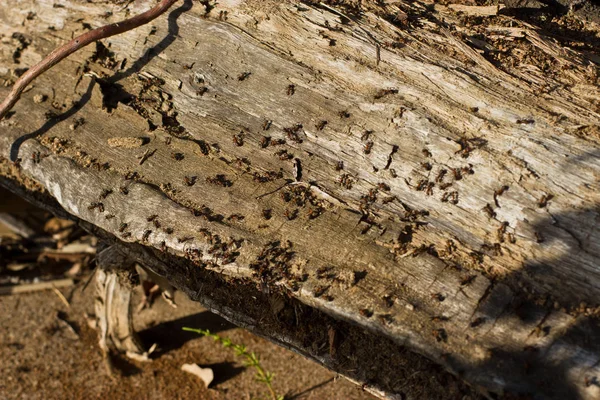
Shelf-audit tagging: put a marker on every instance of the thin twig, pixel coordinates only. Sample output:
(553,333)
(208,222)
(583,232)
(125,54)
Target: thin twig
(147,155)
(34,287)
(89,279)
(61,296)
(80,41)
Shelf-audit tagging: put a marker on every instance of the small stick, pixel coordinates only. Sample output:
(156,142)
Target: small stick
(83,40)
(90,278)
(147,155)
(34,287)
(61,296)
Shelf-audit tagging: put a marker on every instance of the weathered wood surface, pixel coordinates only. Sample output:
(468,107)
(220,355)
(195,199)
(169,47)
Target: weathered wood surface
(113,304)
(449,186)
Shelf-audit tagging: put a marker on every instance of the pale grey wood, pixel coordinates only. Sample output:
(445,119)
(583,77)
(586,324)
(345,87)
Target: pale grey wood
(113,304)
(490,269)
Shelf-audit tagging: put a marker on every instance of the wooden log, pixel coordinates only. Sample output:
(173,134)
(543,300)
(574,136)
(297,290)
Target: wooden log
(388,166)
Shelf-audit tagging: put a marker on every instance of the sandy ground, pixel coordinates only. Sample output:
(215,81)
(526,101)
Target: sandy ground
(42,358)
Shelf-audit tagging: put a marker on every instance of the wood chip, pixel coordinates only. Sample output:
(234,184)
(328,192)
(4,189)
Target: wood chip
(39,98)
(506,31)
(76,248)
(478,11)
(127,142)
(16,267)
(17,225)
(206,375)
(142,357)
(137,356)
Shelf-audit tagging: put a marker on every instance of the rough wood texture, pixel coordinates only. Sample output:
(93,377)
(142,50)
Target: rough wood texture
(429,176)
(113,304)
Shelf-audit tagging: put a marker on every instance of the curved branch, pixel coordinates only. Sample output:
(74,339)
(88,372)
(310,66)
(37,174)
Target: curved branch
(71,47)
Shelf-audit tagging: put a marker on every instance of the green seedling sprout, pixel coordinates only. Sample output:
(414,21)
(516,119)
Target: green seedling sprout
(252,359)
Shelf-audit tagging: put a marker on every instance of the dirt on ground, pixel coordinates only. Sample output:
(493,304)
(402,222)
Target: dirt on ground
(48,351)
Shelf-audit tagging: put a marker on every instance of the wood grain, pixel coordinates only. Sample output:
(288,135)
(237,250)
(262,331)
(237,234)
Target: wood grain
(448,200)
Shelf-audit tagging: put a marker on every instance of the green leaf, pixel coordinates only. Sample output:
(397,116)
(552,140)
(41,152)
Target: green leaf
(239,350)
